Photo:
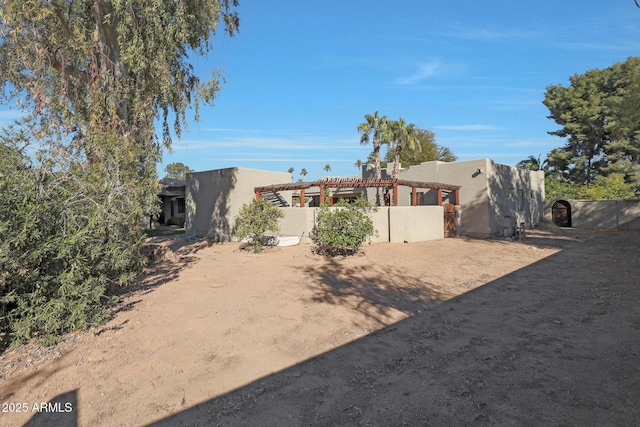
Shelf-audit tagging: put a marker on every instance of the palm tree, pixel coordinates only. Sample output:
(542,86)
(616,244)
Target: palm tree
(533,163)
(358,164)
(303,172)
(378,126)
(291,169)
(327,168)
(402,135)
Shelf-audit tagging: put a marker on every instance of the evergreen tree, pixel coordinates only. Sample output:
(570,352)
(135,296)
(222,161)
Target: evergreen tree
(598,115)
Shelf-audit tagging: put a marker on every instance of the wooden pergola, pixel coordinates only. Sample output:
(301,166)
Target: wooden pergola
(363,183)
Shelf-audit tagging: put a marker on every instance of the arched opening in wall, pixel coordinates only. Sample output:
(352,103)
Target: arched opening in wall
(561,213)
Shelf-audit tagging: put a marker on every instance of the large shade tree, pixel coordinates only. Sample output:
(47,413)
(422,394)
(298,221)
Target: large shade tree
(92,78)
(598,116)
(104,70)
(177,170)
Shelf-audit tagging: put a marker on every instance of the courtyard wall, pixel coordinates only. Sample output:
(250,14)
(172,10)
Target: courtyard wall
(392,224)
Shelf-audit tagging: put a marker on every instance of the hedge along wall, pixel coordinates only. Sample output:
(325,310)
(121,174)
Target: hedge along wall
(393,224)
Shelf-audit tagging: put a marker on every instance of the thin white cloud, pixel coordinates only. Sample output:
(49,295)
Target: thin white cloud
(457,30)
(321,143)
(282,160)
(467,128)
(532,143)
(625,46)
(425,70)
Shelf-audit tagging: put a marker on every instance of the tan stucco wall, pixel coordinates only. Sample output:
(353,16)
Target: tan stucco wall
(493,196)
(516,196)
(601,214)
(214,198)
(297,221)
(416,223)
(395,224)
(628,214)
(381,225)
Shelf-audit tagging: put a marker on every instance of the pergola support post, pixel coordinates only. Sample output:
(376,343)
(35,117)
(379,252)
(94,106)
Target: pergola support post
(414,196)
(257,195)
(395,194)
(439,196)
(321,195)
(302,197)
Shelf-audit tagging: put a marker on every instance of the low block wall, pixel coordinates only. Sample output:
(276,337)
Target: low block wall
(393,224)
(601,214)
(416,223)
(297,221)
(381,225)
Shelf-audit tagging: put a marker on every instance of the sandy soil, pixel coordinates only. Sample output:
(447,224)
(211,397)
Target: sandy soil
(447,332)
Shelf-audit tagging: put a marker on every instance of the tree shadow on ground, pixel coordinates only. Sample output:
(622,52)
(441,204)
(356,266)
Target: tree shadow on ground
(542,236)
(375,291)
(168,256)
(538,346)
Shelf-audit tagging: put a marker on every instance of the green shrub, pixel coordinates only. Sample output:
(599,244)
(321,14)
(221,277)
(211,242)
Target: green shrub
(69,237)
(255,219)
(344,229)
(176,221)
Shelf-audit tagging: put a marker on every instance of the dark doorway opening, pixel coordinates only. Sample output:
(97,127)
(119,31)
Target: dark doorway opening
(561,213)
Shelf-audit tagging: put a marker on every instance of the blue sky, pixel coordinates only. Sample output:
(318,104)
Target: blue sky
(301,75)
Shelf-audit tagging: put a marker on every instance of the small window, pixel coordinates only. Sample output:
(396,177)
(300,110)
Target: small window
(180,205)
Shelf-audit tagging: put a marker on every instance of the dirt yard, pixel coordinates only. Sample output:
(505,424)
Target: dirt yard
(447,332)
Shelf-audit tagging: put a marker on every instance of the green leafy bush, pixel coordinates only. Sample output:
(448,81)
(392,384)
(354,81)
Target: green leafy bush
(176,221)
(255,219)
(604,187)
(69,237)
(344,229)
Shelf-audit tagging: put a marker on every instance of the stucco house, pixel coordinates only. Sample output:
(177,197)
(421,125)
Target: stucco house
(493,197)
(214,198)
(172,199)
(487,199)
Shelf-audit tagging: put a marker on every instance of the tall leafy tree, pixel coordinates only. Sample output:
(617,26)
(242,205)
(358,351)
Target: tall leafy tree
(374,130)
(623,149)
(92,77)
(598,115)
(177,170)
(97,74)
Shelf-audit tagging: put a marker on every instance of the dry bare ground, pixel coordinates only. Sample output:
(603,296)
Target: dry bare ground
(447,332)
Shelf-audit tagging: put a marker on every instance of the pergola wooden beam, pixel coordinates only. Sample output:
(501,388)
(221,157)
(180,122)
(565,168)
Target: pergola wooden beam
(363,183)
